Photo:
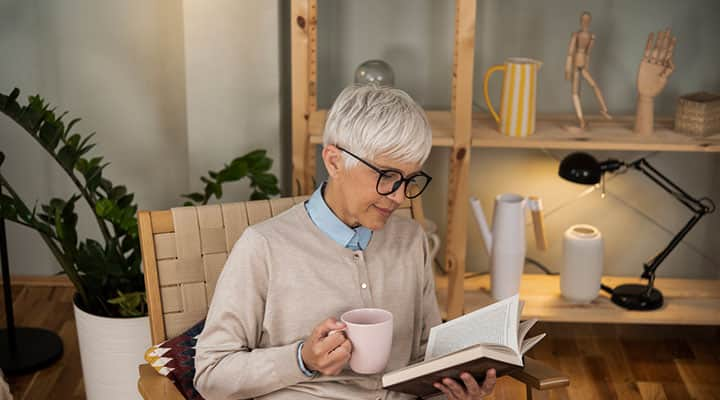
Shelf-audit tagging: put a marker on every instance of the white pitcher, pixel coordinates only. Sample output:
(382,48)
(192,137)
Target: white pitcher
(506,243)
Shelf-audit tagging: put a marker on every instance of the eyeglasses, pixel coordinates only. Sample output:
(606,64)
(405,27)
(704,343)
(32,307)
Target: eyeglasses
(390,180)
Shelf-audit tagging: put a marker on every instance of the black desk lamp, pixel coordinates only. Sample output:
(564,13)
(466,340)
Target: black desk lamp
(585,169)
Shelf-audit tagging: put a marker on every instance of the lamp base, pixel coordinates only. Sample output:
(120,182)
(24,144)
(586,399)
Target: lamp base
(35,349)
(637,297)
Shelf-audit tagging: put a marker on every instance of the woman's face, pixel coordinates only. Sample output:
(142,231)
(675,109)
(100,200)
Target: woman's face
(355,195)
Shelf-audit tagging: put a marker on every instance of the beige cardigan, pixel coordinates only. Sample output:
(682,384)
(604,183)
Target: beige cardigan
(283,277)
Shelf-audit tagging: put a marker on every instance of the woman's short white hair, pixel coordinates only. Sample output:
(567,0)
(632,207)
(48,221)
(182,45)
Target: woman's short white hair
(378,121)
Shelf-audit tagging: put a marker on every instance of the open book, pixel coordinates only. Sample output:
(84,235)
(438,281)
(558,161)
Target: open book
(491,337)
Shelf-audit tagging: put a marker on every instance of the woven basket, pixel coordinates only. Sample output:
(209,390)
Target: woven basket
(698,114)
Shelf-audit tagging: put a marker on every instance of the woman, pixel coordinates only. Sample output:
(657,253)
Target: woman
(288,278)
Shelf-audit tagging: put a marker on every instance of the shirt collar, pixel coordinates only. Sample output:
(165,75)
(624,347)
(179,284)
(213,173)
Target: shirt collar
(324,218)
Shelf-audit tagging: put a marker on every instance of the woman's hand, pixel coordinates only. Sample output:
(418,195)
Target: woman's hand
(327,350)
(472,389)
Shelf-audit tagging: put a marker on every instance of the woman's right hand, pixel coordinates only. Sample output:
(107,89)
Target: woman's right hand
(327,350)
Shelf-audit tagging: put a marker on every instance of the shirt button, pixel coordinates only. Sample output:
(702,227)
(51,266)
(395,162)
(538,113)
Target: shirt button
(364,286)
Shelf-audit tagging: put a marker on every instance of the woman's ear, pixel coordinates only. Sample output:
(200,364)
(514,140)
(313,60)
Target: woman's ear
(333,160)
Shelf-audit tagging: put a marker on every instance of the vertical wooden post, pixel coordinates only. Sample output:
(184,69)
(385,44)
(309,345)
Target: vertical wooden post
(303,43)
(462,85)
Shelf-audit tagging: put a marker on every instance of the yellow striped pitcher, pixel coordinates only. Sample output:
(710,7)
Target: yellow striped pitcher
(517,109)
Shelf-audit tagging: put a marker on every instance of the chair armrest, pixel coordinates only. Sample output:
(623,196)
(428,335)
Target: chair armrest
(540,375)
(153,386)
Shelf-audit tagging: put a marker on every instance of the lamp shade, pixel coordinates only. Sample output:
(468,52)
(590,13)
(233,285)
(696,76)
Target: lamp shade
(580,168)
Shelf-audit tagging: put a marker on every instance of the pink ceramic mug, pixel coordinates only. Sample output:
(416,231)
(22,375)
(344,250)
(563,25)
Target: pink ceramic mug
(370,330)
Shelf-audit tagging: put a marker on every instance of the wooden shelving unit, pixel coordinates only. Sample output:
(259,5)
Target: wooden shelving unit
(456,125)
(688,301)
(461,130)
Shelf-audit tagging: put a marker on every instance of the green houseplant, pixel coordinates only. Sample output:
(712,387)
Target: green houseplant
(106,274)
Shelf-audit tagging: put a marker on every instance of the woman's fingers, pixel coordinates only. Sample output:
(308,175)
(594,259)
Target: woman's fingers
(489,384)
(445,390)
(455,388)
(471,384)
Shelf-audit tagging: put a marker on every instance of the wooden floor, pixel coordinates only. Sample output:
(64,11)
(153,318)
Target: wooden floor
(604,361)
(51,308)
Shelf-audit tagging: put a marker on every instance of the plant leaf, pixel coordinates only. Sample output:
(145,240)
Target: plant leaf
(104,207)
(196,197)
(67,157)
(50,134)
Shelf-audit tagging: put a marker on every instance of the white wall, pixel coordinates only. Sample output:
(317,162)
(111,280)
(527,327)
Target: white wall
(637,218)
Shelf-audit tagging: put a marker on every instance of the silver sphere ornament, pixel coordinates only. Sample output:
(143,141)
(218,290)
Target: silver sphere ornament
(375,71)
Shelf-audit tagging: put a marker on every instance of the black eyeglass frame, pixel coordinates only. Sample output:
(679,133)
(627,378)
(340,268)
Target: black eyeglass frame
(396,184)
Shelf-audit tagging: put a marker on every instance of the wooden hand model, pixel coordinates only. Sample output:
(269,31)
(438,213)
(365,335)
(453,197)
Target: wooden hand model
(578,58)
(655,69)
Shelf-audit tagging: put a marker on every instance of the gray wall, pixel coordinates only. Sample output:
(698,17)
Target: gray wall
(119,67)
(176,88)
(173,88)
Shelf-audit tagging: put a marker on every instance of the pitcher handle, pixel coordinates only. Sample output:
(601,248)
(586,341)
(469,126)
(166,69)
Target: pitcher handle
(536,210)
(489,72)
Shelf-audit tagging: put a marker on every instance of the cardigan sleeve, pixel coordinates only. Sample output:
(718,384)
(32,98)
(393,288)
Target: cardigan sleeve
(229,364)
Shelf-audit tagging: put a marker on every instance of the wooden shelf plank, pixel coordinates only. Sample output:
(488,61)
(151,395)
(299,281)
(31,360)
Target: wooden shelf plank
(553,133)
(556,132)
(687,301)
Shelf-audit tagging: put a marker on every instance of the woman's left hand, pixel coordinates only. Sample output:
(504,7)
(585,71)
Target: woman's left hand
(472,389)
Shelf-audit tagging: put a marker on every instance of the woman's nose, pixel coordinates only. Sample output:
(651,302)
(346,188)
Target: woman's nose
(398,196)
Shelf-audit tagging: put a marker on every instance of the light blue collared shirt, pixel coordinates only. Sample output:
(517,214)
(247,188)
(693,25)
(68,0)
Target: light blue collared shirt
(324,218)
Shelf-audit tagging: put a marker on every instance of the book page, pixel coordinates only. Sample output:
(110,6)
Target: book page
(530,343)
(496,324)
(525,328)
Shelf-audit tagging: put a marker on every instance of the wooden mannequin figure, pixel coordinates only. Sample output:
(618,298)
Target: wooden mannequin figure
(577,62)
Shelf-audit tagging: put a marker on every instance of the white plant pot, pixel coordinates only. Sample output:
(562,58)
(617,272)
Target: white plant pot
(110,351)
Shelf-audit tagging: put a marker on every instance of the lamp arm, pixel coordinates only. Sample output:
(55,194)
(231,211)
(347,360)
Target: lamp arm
(654,263)
(695,205)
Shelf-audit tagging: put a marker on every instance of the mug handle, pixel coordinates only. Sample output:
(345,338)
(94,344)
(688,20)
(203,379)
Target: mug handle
(485,89)
(434,241)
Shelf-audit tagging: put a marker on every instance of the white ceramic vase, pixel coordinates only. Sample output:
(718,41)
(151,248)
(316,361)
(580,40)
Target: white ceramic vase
(582,263)
(507,257)
(110,351)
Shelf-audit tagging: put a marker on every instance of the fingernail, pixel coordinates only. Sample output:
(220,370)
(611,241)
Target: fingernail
(338,323)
